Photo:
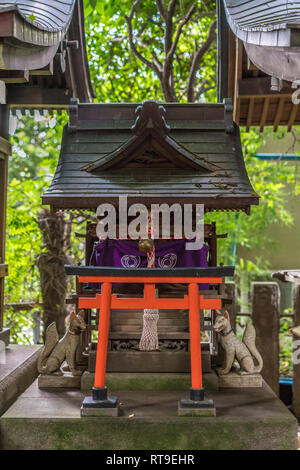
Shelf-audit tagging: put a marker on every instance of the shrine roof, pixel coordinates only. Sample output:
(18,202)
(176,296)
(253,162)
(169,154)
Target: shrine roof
(151,153)
(50,15)
(272,23)
(43,54)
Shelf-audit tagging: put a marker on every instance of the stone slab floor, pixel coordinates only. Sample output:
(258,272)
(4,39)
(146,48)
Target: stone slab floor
(246,419)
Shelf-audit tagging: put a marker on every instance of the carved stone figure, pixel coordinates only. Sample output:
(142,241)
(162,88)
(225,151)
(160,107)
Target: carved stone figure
(243,351)
(56,351)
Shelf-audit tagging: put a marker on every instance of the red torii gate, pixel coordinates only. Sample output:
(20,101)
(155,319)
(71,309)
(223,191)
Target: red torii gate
(193,302)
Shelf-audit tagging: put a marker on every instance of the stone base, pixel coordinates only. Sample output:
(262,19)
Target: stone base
(148,381)
(4,335)
(17,371)
(204,408)
(149,361)
(67,380)
(109,407)
(247,419)
(235,380)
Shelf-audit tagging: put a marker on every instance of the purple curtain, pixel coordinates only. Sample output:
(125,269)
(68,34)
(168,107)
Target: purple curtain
(168,254)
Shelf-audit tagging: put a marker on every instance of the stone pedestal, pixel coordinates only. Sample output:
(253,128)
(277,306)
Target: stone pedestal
(98,412)
(17,371)
(203,411)
(4,336)
(67,380)
(235,380)
(252,419)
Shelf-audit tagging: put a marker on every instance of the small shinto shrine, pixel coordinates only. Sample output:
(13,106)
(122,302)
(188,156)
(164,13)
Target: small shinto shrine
(151,153)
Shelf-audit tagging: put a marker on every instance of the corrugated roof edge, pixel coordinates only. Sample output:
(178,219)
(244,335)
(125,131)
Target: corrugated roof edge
(35,24)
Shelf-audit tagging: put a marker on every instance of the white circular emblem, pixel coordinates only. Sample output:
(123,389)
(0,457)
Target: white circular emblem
(167,261)
(130,261)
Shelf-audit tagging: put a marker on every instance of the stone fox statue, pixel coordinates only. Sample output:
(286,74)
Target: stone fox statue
(56,351)
(244,351)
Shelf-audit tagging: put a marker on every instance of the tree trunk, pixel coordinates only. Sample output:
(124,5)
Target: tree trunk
(51,267)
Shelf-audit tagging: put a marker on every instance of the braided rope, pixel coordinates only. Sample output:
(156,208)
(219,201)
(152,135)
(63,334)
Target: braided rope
(149,338)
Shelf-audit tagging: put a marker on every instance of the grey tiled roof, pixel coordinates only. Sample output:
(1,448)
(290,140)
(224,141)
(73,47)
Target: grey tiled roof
(101,129)
(49,15)
(267,23)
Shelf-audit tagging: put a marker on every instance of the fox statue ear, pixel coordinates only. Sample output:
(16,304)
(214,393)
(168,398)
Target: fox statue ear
(218,313)
(72,315)
(81,312)
(226,314)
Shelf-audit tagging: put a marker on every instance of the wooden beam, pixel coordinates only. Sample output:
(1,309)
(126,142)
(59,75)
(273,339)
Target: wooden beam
(292,117)
(48,70)
(238,78)
(250,113)
(278,113)
(14,76)
(261,87)
(3,270)
(35,96)
(231,64)
(5,147)
(2,92)
(4,151)
(264,114)
(250,65)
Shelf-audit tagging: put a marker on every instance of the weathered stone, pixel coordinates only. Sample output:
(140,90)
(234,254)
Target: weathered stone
(4,335)
(67,380)
(204,412)
(97,412)
(148,381)
(265,315)
(246,419)
(17,373)
(235,380)
(149,361)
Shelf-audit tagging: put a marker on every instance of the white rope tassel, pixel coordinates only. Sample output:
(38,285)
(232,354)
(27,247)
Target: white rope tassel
(149,338)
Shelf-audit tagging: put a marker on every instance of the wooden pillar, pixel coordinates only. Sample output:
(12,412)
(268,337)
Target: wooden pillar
(4,153)
(195,338)
(296,353)
(266,317)
(103,333)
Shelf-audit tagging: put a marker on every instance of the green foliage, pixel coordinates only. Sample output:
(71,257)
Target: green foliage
(116,72)
(32,164)
(274,182)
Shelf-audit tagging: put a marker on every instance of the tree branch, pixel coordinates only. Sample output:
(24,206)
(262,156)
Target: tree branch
(133,48)
(161,9)
(197,57)
(170,48)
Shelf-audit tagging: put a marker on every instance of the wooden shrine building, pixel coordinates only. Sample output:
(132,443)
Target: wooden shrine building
(43,64)
(150,153)
(259,62)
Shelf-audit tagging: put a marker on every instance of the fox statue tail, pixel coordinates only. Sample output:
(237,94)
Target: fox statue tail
(249,341)
(51,339)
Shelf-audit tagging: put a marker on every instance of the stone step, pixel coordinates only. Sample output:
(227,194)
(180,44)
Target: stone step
(147,381)
(17,371)
(253,419)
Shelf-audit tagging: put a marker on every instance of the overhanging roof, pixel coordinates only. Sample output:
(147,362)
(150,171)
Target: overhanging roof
(50,15)
(43,53)
(273,23)
(259,45)
(213,174)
